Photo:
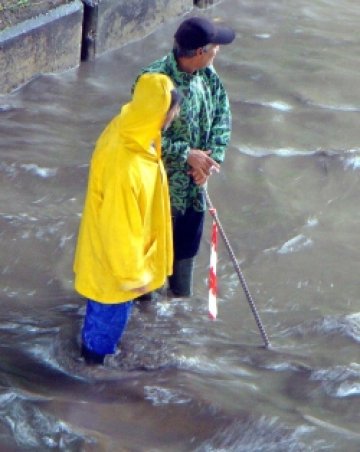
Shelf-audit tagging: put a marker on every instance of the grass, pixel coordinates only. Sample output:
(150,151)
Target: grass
(13,5)
(15,11)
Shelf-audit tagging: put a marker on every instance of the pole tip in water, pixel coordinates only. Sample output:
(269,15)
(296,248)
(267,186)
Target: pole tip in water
(266,346)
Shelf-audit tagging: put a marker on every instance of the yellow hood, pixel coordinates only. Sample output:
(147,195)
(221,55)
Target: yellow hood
(139,123)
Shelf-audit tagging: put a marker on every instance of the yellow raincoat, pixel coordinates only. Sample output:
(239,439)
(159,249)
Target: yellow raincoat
(125,236)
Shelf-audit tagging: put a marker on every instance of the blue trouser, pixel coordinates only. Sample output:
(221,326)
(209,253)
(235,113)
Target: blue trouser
(104,325)
(187,233)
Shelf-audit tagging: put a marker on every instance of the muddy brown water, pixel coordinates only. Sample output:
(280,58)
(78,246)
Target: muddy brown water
(287,196)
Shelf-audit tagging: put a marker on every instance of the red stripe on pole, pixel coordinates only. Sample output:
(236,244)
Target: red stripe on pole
(212,269)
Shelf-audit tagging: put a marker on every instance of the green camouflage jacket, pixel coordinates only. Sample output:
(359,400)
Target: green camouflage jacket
(204,123)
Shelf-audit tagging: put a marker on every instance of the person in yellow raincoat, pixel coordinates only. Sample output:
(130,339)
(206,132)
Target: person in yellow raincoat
(124,246)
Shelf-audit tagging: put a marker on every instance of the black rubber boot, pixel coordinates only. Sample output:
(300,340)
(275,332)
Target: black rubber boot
(91,357)
(150,296)
(181,281)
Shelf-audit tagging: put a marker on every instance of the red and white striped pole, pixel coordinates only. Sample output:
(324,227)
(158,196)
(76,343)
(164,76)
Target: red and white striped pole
(244,285)
(212,269)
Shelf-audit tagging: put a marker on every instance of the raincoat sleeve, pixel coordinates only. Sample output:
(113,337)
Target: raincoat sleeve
(220,133)
(174,152)
(122,235)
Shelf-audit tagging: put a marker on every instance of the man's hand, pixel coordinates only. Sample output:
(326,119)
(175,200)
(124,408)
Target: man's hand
(202,166)
(200,160)
(141,290)
(198,176)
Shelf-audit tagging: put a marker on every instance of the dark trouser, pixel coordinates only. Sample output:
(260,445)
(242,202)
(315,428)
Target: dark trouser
(103,327)
(187,233)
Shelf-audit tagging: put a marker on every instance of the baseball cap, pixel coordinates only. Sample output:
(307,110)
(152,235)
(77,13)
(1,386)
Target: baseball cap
(197,32)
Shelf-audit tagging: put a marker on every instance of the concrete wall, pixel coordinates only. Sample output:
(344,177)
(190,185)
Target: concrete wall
(112,23)
(84,29)
(48,43)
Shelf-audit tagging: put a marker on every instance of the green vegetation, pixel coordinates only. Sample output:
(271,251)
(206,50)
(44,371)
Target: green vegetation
(13,4)
(12,10)
(15,11)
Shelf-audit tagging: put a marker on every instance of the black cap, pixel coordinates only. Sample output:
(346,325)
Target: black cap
(197,32)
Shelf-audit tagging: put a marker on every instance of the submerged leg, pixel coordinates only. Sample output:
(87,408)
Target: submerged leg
(181,281)
(187,233)
(103,327)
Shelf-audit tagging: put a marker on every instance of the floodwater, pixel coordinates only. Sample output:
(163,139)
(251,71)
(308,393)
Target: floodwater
(288,199)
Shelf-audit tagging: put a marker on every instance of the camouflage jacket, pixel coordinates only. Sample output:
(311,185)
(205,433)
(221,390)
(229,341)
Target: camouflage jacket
(204,123)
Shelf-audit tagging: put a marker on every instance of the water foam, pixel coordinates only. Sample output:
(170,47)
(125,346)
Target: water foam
(39,171)
(295,244)
(159,396)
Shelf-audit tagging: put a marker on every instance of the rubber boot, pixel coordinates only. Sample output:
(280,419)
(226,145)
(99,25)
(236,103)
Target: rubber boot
(181,281)
(90,357)
(150,296)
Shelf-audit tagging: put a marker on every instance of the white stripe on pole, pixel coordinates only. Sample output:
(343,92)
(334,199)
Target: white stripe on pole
(212,271)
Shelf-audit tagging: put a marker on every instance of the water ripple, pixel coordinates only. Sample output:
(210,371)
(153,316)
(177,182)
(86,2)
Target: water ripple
(295,244)
(163,396)
(33,428)
(262,434)
(339,381)
(345,325)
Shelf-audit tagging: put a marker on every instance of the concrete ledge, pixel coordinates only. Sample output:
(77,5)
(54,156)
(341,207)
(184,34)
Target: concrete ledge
(111,23)
(81,29)
(48,43)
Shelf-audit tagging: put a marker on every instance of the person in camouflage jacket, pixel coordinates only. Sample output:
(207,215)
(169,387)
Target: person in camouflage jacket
(195,143)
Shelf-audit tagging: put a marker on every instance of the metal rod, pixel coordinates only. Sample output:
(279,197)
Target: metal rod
(244,285)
